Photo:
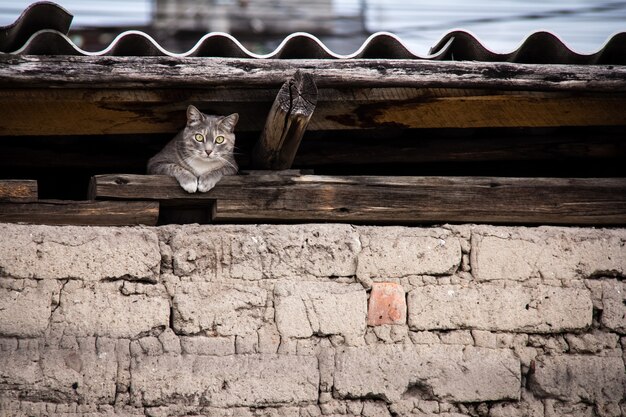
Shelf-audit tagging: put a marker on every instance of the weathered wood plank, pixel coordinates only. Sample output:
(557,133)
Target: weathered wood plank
(417,200)
(366,199)
(18,190)
(286,123)
(142,72)
(90,213)
(497,110)
(91,112)
(140,187)
(113,111)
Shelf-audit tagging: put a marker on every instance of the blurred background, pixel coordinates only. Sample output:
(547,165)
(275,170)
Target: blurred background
(343,25)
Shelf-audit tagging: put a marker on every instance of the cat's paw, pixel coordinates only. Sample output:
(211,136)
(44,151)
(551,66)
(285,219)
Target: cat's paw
(189,184)
(206,183)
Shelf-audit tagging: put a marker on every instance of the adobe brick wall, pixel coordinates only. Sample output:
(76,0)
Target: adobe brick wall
(311,320)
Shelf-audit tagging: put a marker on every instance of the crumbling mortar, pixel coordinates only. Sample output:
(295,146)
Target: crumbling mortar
(55,306)
(50,239)
(129,278)
(307,310)
(164,238)
(607,274)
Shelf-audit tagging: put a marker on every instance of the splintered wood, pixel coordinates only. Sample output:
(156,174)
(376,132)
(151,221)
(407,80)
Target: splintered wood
(18,190)
(286,123)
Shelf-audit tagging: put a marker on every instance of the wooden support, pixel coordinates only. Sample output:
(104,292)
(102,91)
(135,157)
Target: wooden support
(286,123)
(18,190)
(404,200)
(113,111)
(466,109)
(90,213)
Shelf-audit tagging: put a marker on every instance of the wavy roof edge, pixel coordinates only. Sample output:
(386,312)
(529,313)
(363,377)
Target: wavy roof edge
(42,30)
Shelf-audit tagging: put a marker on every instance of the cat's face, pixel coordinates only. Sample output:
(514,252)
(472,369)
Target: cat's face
(207,137)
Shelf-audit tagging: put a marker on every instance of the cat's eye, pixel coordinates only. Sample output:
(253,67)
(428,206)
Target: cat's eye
(219,139)
(199,137)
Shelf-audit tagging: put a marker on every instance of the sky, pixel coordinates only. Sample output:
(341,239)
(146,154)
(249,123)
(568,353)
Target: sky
(501,25)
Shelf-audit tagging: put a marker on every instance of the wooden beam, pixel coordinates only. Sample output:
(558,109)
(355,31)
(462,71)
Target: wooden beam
(286,123)
(449,110)
(122,111)
(97,112)
(410,200)
(140,187)
(18,190)
(90,213)
(28,71)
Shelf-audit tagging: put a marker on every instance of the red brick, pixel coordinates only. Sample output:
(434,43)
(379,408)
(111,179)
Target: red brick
(387,304)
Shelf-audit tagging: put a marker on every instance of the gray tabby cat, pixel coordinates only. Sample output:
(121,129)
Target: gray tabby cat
(201,154)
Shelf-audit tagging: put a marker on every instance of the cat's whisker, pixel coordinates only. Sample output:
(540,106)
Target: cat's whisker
(227,161)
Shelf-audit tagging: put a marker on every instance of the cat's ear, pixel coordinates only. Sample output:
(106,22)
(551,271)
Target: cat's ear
(229,122)
(194,116)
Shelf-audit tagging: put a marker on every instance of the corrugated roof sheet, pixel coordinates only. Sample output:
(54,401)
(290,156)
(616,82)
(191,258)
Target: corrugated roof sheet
(42,30)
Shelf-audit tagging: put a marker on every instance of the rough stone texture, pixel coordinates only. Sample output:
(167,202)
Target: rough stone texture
(269,339)
(227,381)
(223,309)
(401,251)
(86,374)
(457,337)
(202,345)
(387,304)
(443,372)
(528,407)
(580,378)
(548,252)
(271,321)
(25,311)
(593,342)
(106,309)
(85,253)
(614,305)
(541,309)
(257,252)
(484,338)
(323,308)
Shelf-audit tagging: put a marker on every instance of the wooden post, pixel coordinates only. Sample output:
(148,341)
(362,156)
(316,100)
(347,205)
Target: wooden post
(286,123)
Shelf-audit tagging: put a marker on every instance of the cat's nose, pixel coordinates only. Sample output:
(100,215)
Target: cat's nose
(208,151)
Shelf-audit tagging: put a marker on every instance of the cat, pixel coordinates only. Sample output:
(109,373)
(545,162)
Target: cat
(200,154)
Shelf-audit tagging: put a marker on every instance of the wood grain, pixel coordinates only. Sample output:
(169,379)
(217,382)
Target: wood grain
(115,111)
(406,200)
(18,190)
(286,123)
(509,109)
(28,71)
(90,213)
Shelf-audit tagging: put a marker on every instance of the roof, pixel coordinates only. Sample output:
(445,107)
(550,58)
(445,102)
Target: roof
(459,135)
(43,27)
